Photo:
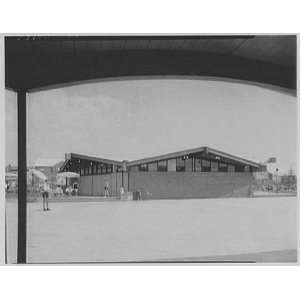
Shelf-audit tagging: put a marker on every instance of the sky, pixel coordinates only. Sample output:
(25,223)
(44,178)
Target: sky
(131,119)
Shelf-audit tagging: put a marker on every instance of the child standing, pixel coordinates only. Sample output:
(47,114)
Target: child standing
(45,195)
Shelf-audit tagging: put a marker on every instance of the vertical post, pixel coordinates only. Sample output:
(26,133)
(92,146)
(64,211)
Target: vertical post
(128,181)
(124,169)
(22,178)
(277,180)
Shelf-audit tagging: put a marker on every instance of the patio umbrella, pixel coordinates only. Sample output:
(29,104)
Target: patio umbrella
(63,177)
(68,175)
(38,174)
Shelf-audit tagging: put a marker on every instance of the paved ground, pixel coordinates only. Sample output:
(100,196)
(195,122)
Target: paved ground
(79,230)
(274,194)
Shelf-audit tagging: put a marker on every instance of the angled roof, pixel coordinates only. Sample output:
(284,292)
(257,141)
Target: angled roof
(37,62)
(207,150)
(97,159)
(70,156)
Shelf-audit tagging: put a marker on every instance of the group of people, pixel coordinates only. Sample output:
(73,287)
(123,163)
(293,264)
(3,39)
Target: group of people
(71,190)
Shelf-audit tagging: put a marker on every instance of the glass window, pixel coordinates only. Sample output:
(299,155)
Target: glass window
(189,165)
(247,169)
(239,168)
(109,168)
(103,169)
(222,167)
(162,166)
(143,168)
(214,166)
(231,168)
(205,165)
(152,167)
(180,165)
(134,169)
(198,165)
(99,169)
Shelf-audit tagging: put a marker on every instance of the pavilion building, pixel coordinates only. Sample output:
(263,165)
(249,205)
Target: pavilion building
(195,173)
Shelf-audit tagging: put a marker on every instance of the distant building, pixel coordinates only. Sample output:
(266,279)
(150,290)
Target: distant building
(264,180)
(289,182)
(196,173)
(49,166)
(11,177)
(10,168)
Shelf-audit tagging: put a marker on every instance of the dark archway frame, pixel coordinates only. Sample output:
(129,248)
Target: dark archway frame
(27,70)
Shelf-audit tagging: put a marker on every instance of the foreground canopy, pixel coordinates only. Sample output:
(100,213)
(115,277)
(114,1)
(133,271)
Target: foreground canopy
(35,62)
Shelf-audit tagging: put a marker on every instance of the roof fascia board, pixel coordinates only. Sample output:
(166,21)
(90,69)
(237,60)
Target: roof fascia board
(98,159)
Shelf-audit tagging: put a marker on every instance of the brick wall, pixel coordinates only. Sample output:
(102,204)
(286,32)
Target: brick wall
(156,185)
(163,185)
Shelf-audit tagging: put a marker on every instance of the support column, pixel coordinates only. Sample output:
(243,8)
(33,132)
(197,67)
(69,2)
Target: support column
(22,178)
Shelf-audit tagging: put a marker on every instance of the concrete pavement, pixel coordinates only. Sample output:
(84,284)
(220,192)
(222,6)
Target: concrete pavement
(113,231)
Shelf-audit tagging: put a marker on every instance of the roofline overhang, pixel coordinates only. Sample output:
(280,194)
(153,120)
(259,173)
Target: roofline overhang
(272,87)
(93,158)
(250,68)
(208,150)
(173,155)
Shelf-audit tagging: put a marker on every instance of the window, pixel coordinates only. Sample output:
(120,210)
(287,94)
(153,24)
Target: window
(152,167)
(247,169)
(99,169)
(162,166)
(143,168)
(205,165)
(198,165)
(103,169)
(81,171)
(95,169)
(134,169)
(214,166)
(180,165)
(86,171)
(223,167)
(189,165)
(108,168)
(239,168)
(231,168)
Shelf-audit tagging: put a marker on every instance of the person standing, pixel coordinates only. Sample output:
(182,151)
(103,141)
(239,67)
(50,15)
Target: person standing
(122,193)
(106,189)
(6,186)
(45,195)
(75,188)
